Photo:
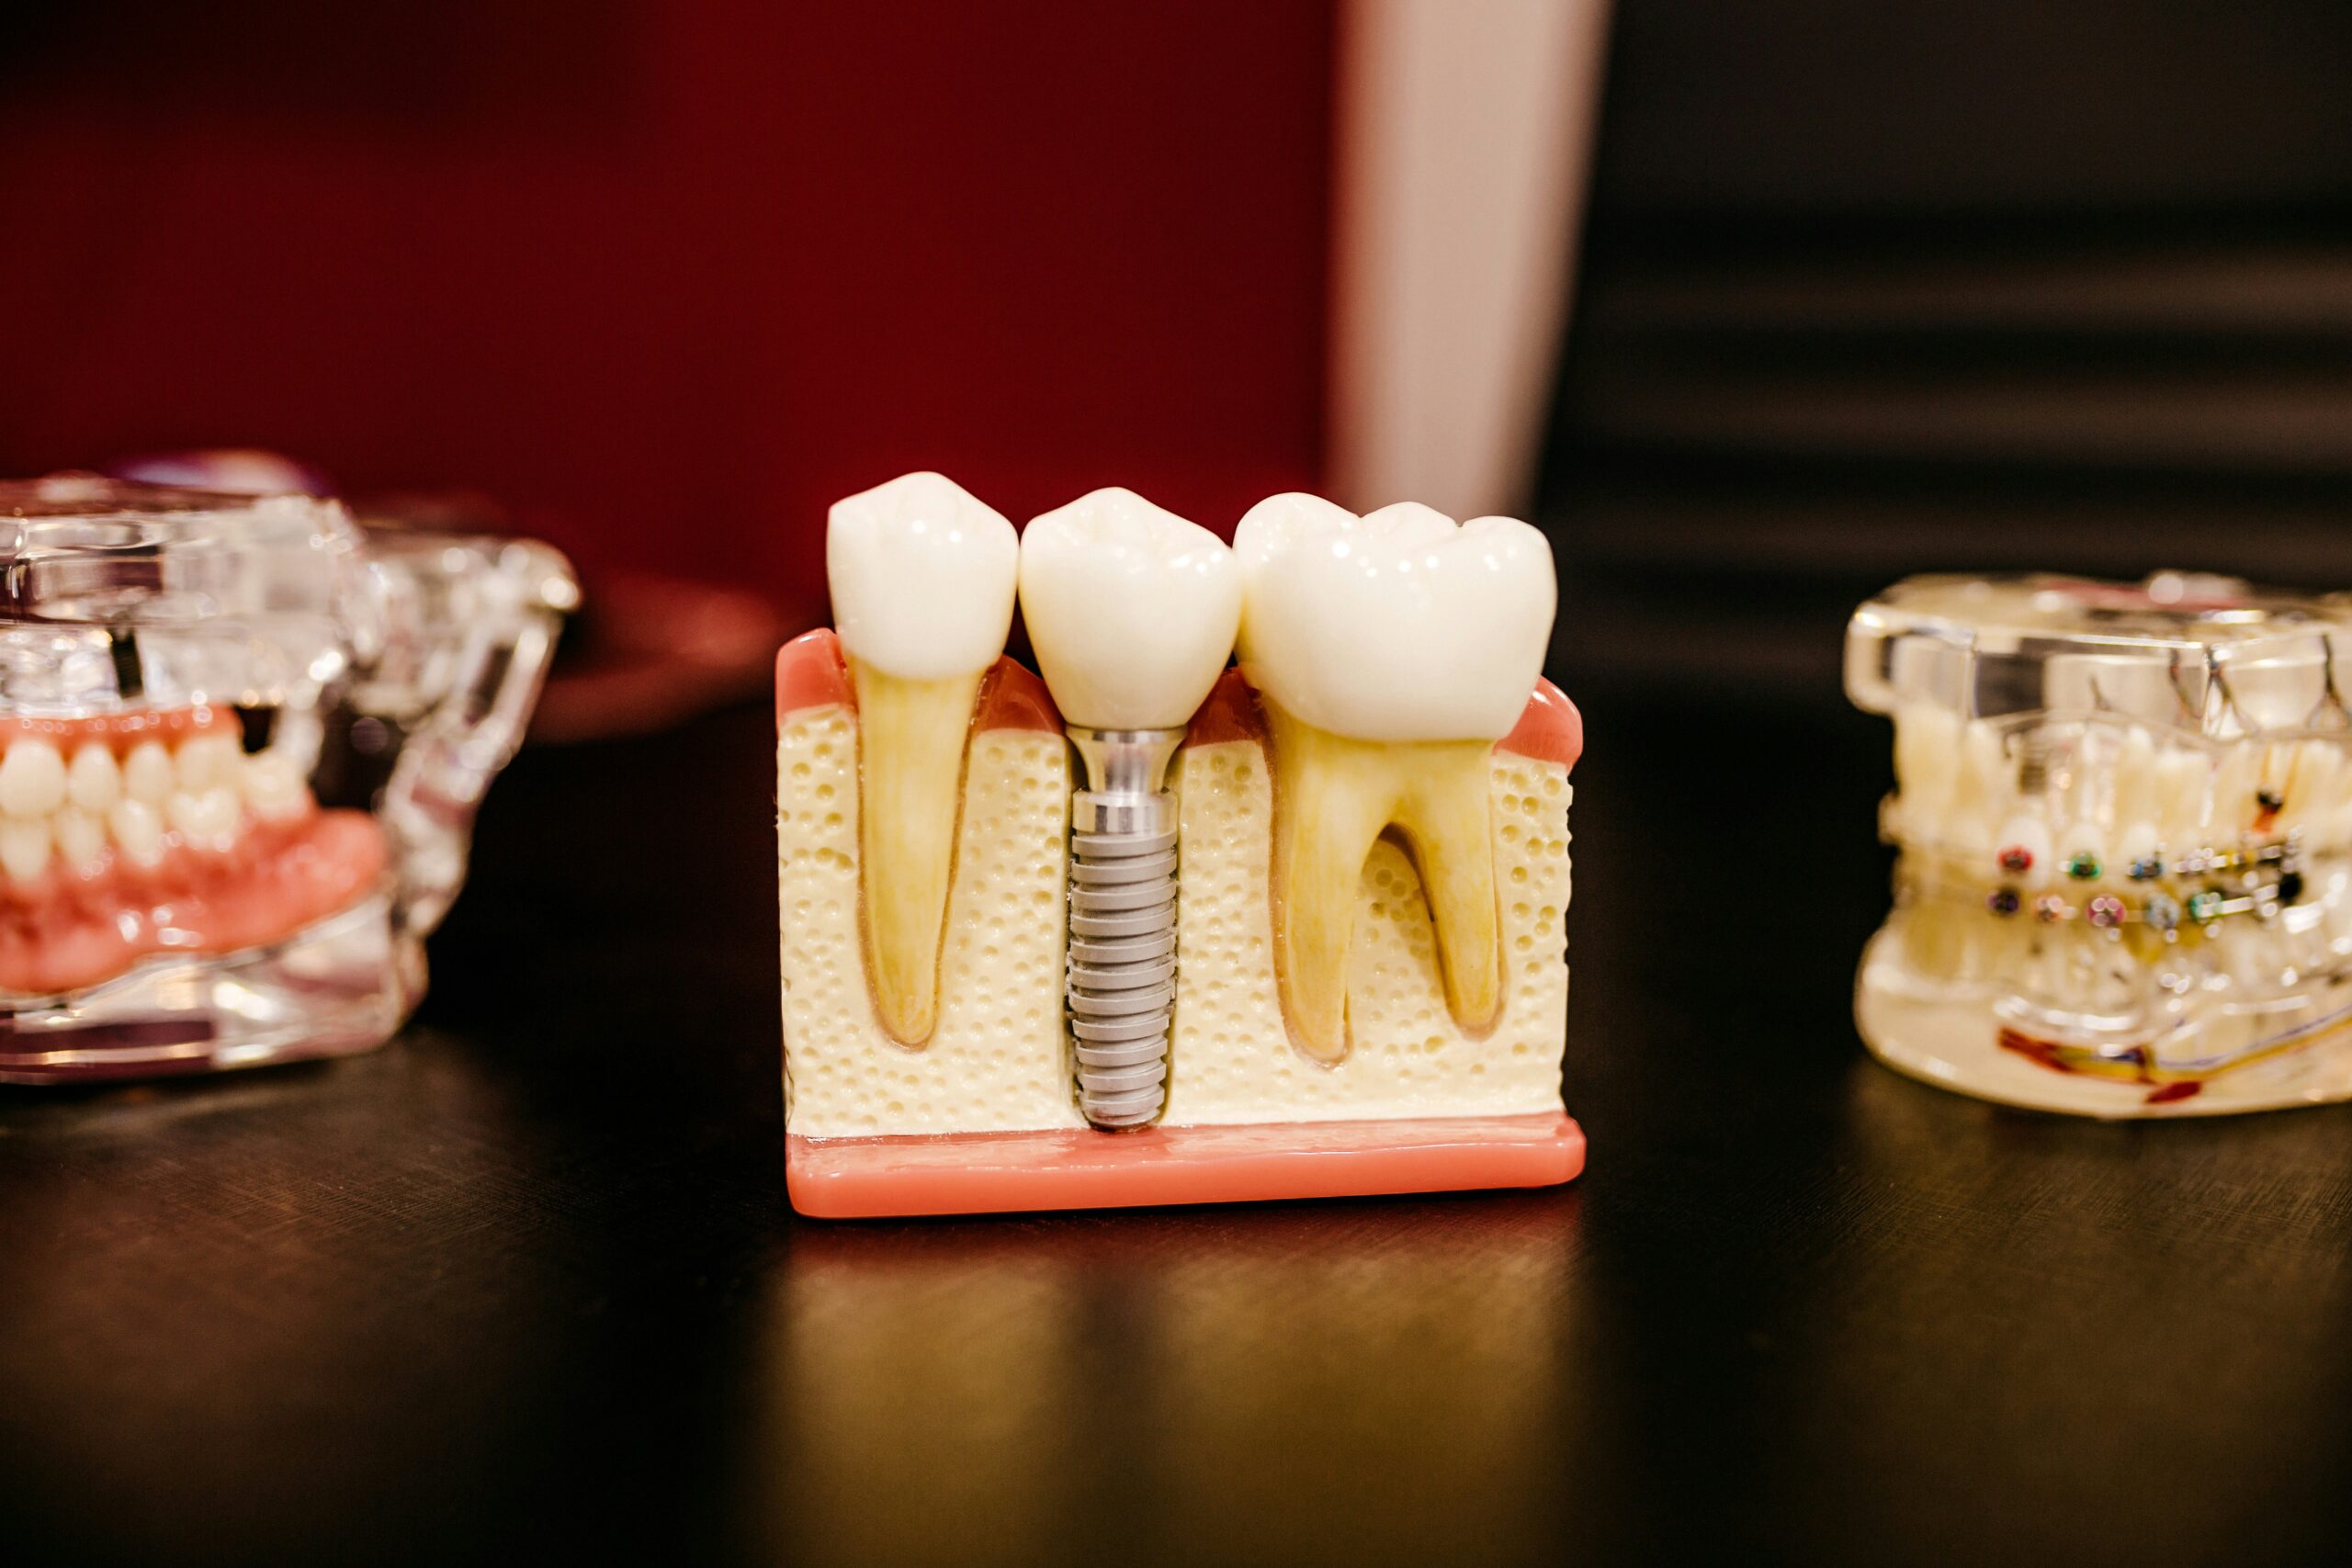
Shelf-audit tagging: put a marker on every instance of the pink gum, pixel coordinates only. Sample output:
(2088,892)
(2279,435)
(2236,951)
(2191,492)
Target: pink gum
(68,930)
(810,673)
(1549,729)
(118,731)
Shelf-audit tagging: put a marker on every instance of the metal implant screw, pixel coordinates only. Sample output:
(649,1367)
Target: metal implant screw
(1121,986)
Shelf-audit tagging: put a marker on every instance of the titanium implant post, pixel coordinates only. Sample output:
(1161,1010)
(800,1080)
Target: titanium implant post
(1122,976)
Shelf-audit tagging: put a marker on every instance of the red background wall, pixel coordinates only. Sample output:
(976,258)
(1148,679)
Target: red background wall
(665,278)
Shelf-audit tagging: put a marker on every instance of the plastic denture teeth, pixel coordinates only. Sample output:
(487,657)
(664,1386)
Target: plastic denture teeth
(1132,611)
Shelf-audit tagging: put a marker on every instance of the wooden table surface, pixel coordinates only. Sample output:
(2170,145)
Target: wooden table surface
(526,1282)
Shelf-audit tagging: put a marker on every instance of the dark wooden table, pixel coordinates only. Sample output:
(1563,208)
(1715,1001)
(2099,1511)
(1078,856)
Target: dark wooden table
(526,1282)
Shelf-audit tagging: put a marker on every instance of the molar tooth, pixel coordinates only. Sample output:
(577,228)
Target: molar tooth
(923,577)
(94,782)
(24,847)
(207,761)
(81,838)
(138,830)
(32,779)
(147,774)
(1390,652)
(208,816)
(273,787)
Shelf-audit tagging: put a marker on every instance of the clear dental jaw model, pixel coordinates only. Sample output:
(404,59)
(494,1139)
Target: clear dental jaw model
(1155,929)
(2123,812)
(176,667)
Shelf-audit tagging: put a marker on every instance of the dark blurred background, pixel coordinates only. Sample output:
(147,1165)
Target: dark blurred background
(1861,288)
(1948,285)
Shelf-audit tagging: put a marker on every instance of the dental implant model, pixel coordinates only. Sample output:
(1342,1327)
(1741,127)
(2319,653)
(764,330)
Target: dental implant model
(1132,612)
(2125,818)
(1155,929)
(177,668)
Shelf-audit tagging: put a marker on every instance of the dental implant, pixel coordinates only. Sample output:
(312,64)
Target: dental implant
(1121,980)
(1132,611)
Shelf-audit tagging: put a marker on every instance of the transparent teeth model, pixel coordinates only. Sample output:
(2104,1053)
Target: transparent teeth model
(173,896)
(2124,813)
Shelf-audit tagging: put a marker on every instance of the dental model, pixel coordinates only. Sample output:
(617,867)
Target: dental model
(2124,813)
(172,898)
(1293,929)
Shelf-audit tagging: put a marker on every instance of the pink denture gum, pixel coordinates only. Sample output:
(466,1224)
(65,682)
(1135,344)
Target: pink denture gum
(1077,1167)
(76,926)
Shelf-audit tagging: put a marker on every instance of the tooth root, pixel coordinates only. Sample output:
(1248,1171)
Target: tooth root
(1444,816)
(1332,799)
(912,735)
(1334,796)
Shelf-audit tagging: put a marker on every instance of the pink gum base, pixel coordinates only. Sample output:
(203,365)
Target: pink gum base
(995,1173)
(992,1173)
(69,931)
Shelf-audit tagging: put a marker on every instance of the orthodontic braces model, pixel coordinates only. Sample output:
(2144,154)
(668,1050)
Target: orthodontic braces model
(2123,815)
(2161,911)
(1152,930)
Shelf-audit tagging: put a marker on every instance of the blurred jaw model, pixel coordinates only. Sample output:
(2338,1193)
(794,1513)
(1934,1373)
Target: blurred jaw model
(150,829)
(1153,929)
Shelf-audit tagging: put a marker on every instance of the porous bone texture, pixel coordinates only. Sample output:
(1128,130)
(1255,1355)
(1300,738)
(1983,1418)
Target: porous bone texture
(995,1061)
(1231,1058)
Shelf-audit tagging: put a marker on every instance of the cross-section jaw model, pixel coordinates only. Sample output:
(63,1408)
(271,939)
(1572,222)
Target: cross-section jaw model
(1154,930)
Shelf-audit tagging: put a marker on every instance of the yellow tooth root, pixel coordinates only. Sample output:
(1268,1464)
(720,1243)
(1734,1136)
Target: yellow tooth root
(911,741)
(1333,797)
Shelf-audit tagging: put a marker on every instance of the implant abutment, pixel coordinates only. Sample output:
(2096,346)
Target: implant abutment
(1120,984)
